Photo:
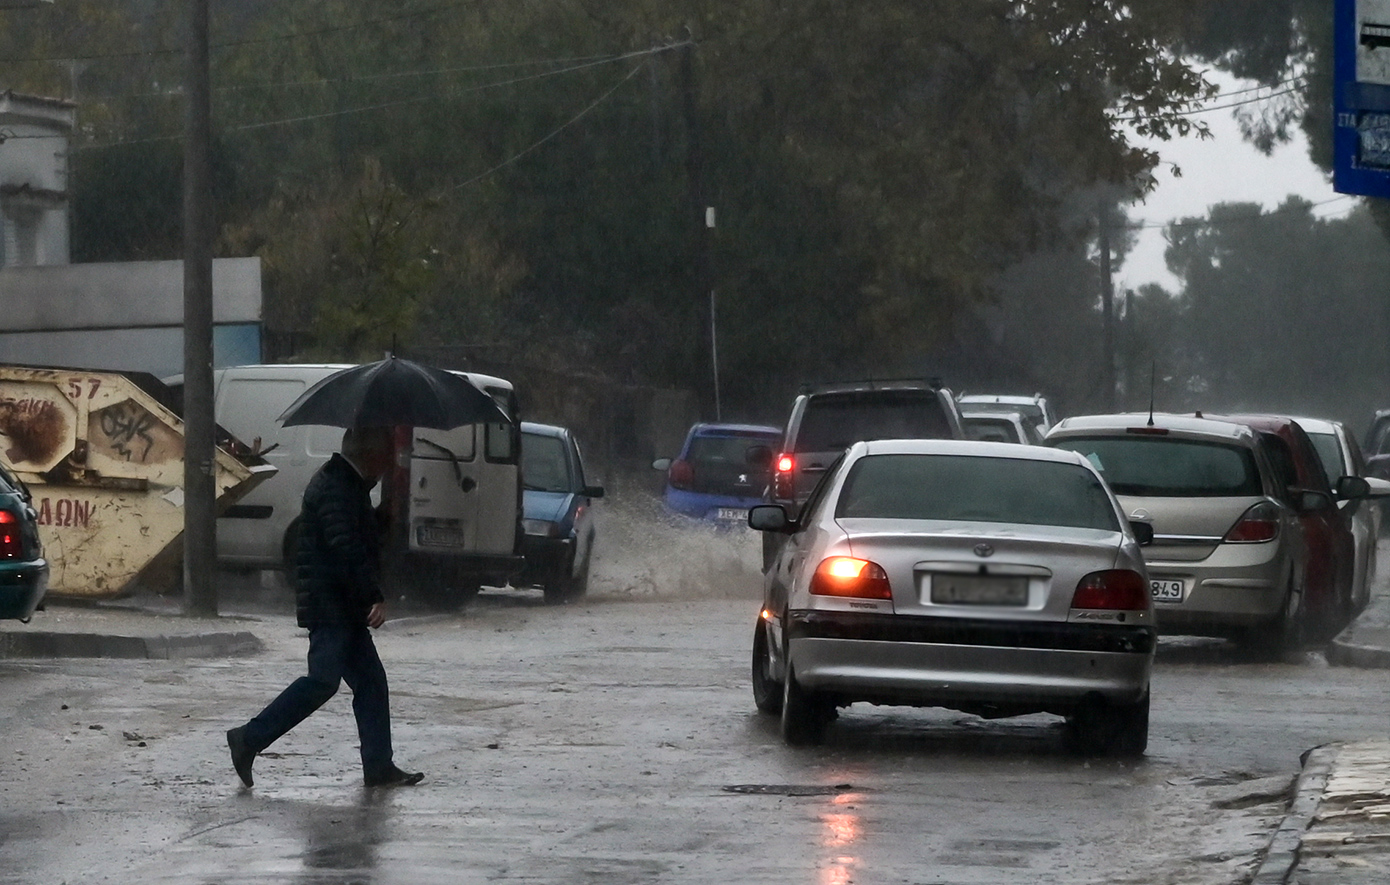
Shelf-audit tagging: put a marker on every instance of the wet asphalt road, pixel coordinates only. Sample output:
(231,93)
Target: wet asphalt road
(598,742)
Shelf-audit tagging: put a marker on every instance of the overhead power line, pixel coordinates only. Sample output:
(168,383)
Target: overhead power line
(303,118)
(297,35)
(561,128)
(1207,222)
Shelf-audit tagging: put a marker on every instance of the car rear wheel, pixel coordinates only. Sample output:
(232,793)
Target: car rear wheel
(1282,637)
(804,713)
(1109,729)
(565,586)
(767,692)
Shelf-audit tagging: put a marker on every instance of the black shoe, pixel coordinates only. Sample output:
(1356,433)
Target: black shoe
(242,755)
(394,777)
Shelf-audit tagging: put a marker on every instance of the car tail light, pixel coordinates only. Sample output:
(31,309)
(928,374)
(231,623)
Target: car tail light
(782,481)
(847,576)
(680,475)
(11,542)
(1256,526)
(1119,589)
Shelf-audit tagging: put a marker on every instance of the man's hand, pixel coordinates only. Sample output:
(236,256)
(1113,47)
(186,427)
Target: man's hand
(376,616)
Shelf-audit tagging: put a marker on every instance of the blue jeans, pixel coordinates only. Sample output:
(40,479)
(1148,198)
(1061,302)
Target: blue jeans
(337,653)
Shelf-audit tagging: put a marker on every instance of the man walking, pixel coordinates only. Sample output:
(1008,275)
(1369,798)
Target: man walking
(338,597)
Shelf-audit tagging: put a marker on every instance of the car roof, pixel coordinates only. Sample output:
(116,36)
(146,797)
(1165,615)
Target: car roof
(1320,425)
(1005,399)
(713,429)
(543,429)
(1014,417)
(966,447)
(1186,424)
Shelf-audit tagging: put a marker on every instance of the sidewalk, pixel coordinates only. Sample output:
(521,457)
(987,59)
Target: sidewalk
(1337,829)
(140,627)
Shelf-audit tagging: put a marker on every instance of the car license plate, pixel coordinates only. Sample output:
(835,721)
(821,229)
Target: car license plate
(1166,591)
(732,514)
(438,536)
(978,590)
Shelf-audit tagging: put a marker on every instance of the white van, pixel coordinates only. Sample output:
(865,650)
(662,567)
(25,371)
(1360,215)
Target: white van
(454,497)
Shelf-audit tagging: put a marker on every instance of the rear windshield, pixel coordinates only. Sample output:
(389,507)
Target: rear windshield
(976,489)
(1330,454)
(726,449)
(544,467)
(834,422)
(1168,467)
(990,430)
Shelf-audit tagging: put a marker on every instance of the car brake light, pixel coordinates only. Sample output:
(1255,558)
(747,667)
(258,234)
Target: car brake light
(1118,589)
(680,475)
(847,576)
(1148,431)
(782,481)
(1257,525)
(11,544)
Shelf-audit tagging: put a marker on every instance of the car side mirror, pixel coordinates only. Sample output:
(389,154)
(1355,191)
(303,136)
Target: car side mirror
(758,456)
(1311,501)
(1350,487)
(593,491)
(770,518)
(661,464)
(1143,532)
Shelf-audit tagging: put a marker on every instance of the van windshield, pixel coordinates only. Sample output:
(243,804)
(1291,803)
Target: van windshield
(836,421)
(1170,467)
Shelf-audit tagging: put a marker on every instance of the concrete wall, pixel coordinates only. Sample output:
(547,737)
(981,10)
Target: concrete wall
(124,316)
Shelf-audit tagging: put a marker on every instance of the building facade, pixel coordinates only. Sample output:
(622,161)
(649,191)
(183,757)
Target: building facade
(34,195)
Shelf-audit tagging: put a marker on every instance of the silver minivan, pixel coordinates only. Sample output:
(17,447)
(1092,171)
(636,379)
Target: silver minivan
(1228,556)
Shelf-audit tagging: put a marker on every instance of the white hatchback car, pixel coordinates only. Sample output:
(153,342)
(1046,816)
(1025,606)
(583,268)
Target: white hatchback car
(990,578)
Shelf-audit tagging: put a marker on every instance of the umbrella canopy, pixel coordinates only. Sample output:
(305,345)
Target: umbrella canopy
(393,392)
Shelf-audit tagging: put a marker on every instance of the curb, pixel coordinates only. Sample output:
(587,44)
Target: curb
(1282,855)
(1349,654)
(91,645)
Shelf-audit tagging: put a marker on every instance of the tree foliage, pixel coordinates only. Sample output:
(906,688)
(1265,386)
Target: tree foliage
(875,166)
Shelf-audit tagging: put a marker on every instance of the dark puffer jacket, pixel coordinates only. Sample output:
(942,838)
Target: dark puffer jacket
(338,566)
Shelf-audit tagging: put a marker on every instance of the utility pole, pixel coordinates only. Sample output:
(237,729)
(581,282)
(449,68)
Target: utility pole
(1107,312)
(199,487)
(698,208)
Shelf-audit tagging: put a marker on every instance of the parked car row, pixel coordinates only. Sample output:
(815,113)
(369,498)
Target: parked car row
(480,504)
(912,556)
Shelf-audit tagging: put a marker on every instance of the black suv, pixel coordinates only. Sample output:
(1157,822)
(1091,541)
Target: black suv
(826,421)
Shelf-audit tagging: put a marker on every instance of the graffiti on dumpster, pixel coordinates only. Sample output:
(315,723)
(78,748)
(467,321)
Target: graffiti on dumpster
(127,431)
(64,512)
(35,427)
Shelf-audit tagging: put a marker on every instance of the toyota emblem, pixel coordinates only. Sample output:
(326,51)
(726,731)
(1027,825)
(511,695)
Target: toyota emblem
(984,550)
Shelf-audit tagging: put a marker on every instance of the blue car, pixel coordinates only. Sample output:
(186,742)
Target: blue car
(722,470)
(557,513)
(23,570)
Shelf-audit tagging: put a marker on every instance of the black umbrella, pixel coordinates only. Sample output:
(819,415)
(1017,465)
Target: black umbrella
(393,392)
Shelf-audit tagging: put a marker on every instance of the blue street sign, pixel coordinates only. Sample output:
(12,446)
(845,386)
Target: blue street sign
(1361,98)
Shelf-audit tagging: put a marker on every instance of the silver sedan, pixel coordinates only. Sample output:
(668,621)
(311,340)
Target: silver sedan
(991,578)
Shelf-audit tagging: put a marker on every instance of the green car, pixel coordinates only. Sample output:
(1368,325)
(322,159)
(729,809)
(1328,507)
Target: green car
(23,570)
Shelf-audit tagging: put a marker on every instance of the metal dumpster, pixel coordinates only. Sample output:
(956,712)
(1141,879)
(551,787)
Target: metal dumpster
(102,454)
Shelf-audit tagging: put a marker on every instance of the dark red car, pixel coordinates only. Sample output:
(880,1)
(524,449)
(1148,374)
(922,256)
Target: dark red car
(1326,529)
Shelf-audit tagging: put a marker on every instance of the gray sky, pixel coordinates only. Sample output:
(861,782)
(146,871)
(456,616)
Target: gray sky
(1220,170)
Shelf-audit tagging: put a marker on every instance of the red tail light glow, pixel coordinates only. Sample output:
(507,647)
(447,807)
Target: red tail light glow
(11,543)
(1255,526)
(783,481)
(847,576)
(1112,590)
(680,475)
